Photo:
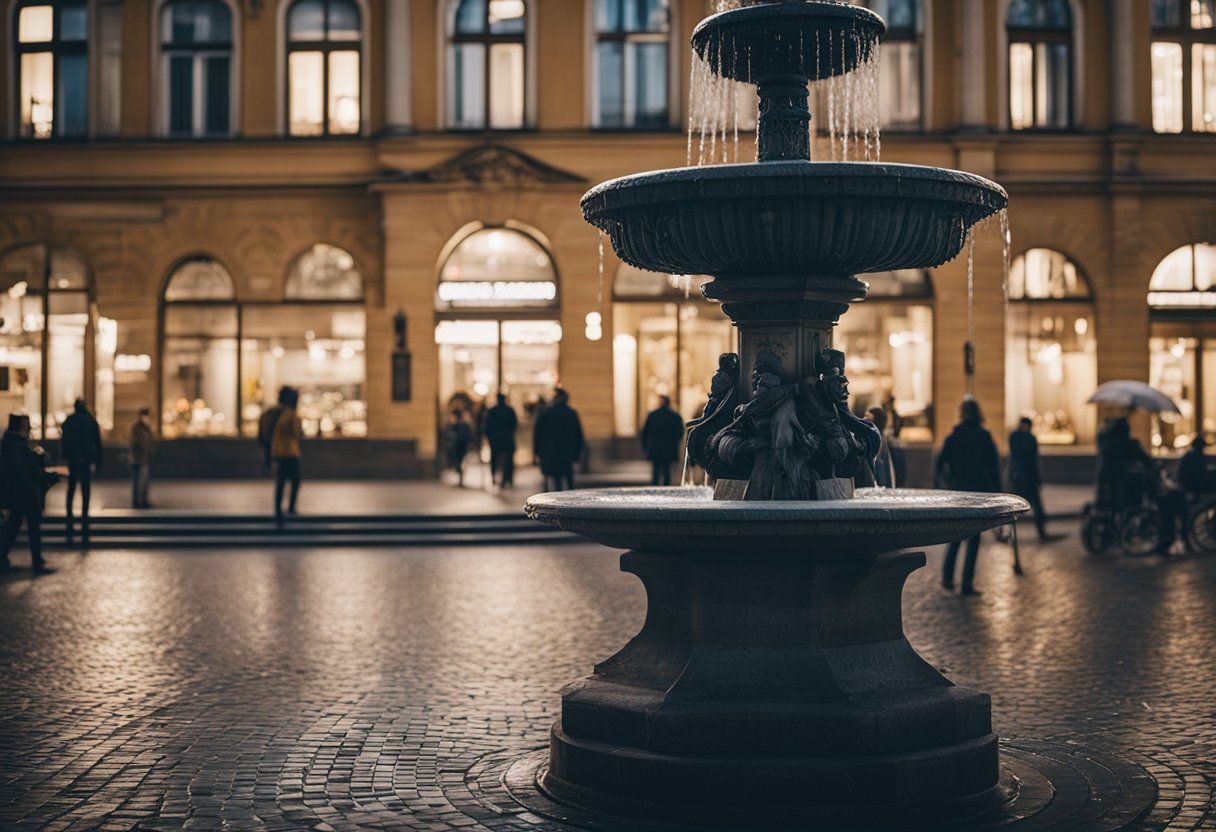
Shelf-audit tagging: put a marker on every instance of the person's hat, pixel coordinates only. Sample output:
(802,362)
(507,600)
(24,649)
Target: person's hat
(18,422)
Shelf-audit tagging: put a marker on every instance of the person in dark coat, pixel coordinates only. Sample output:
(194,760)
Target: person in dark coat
(456,438)
(500,426)
(884,466)
(1195,476)
(81,446)
(1025,478)
(661,435)
(24,482)
(557,442)
(139,453)
(968,462)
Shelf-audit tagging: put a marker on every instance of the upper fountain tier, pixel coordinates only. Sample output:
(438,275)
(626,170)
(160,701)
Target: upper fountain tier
(810,40)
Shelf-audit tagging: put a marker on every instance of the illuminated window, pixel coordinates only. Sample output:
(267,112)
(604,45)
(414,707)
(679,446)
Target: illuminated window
(485,64)
(1184,66)
(497,268)
(52,55)
(323,68)
(1051,350)
(45,312)
(1040,64)
(631,60)
(324,272)
(899,82)
(196,42)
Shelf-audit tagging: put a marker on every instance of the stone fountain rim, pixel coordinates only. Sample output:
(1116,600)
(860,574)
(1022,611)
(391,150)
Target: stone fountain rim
(791,177)
(769,10)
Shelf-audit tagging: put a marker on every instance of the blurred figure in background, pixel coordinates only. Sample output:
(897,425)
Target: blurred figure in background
(968,462)
(139,455)
(884,467)
(500,426)
(1195,476)
(661,435)
(557,441)
(456,438)
(24,482)
(280,432)
(81,450)
(1025,476)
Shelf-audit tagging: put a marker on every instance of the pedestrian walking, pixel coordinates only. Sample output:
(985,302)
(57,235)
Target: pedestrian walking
(81,449)
(968,461)
(500,426)
(24,481)
(1025,475)
(557,441)
(884,466)
(1195,474)
(661,435)
(280,432)
(139,456)
(456,438)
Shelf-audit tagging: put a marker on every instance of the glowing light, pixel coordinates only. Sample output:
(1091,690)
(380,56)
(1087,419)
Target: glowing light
(1081,326)
(1182,300)
(132,363)
(594,329)
(497,292)
(316,352)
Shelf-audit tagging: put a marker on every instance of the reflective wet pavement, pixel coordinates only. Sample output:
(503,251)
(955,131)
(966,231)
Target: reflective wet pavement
(371,689)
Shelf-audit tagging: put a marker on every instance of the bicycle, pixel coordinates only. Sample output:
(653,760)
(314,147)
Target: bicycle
(1201,524)
(1136,530)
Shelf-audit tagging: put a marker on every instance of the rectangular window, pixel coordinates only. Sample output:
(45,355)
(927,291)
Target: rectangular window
(73,23)
(899,85)
(200,371)
(72,112)
(506,86)
(306,74)
(1052,93)
(109,66)
(649,66)
(37,95)
(610,65)
(343,93)
(1167,87)
(1021,86)
(1203,88)
(181,95)
(466,93)
(36,24)
(216,96)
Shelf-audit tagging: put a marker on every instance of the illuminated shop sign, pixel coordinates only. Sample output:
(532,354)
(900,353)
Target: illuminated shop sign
(1182,300)
(497,293)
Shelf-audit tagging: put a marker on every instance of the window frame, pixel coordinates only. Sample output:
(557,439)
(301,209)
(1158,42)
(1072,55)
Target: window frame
(1186,36)
(324,46)
(625,37)
(917,36)
(57,47)
(197,51)
(452,37)
(1033,36)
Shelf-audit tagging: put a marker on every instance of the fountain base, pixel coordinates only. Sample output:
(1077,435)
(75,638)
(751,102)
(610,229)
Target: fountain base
(769,682)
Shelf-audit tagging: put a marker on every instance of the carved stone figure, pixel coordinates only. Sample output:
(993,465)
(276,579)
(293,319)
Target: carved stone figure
(717,414)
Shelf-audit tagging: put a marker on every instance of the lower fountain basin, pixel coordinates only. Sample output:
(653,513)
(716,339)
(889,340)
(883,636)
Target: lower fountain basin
(791,217)
(679,519)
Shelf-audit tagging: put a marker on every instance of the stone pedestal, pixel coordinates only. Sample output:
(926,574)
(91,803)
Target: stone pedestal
(769,683)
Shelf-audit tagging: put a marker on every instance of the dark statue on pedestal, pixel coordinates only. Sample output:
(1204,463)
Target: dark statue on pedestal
(794,440)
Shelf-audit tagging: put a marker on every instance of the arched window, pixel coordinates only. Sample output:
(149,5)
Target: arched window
(1040,64)
(631,60)
(1182,343)
(497,267)
(47,337)
(889,341)
(899,84)
(1184,66)
(324,44)
(1051,352)
(196,71)
(52,63)
(314,341)
(200,374)
(485,64)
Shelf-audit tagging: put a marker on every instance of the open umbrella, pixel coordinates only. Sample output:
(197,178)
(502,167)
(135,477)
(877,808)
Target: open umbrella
(1133,394)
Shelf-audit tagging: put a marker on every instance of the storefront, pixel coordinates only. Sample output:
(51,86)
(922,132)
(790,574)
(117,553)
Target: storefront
(666,341)
(1182,346)
(54,348)
(496,323)
(1051,349)
(313,340)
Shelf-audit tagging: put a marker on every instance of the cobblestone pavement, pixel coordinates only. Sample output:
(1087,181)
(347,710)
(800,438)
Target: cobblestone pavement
(365,689)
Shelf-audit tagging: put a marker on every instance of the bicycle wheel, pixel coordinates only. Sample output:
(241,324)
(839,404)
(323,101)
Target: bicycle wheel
(1097,533)
(1201,528)
(1140,531)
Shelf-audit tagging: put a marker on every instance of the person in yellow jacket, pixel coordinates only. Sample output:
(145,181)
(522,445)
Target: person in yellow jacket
(279,432)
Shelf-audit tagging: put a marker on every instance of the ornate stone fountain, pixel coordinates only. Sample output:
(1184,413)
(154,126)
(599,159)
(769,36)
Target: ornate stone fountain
(772,676)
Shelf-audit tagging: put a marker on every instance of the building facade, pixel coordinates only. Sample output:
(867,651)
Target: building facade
(377,201)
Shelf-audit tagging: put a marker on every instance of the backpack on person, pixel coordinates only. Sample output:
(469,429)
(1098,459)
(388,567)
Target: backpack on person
(268,421)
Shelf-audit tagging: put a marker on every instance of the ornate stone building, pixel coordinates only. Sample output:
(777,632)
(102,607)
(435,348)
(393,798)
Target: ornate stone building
(206,199)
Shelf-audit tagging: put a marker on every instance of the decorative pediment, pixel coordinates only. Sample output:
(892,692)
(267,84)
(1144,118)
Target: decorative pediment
(492,164)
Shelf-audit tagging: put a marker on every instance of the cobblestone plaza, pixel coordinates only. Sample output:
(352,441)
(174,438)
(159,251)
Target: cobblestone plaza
(389,689)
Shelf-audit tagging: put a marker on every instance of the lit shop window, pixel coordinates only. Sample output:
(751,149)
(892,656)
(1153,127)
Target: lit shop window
(631,60)
(1040,64)
(323,68)
(1051,352)
(485,64)
(899,85)
(45,310)
(52,55)
(497,268)
(1184,66)
(196,44)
